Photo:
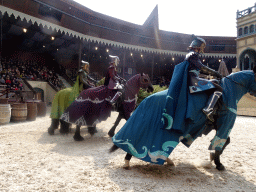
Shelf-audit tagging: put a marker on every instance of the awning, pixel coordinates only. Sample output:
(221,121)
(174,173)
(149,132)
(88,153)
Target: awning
(49,25)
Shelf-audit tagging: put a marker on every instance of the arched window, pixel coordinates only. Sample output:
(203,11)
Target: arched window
(246,30)
(251,28)
(240,32)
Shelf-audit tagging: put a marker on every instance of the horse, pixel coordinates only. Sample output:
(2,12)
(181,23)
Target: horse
(93,105)
(145,137)
(61,101)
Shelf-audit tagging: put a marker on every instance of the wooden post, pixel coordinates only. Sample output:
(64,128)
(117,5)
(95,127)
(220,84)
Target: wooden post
(80,54)
(152,69)
(123,63)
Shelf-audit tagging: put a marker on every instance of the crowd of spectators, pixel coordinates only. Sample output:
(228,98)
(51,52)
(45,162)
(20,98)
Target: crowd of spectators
(13,71)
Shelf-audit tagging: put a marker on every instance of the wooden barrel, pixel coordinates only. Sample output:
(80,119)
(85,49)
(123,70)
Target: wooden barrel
(5,113)
(41,109)
(32,111)
(4,100)
(19,112)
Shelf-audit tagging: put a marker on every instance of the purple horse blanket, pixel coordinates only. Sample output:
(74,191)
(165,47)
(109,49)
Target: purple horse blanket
(93,106)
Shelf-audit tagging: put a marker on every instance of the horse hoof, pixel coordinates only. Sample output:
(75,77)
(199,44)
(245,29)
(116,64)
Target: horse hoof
(220,167)
(127,167)
(78,138)
(92,130)
(50,131)
(169,162)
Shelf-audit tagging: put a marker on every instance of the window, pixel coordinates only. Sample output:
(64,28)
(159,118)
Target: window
(246,30)
(251,28)
(217,47)
(240,32)
(130,71)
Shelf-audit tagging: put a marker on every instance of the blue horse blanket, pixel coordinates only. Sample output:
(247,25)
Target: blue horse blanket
(145,137)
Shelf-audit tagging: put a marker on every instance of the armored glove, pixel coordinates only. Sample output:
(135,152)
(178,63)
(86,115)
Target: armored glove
(207,70)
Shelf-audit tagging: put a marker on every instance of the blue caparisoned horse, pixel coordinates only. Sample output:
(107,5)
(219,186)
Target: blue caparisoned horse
(93,105)
(145,137)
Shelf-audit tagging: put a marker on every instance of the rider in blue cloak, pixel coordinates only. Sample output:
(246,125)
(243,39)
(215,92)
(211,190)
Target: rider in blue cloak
(178,114)
(179,104)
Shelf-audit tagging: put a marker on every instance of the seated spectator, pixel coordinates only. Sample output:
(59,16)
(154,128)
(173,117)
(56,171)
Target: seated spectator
(34,77)
(14,88)
(3,71)
(20,86)
(14,82)
(2,81)
(8,82)
(22,75)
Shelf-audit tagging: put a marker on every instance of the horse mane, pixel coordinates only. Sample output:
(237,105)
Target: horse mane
(133,80)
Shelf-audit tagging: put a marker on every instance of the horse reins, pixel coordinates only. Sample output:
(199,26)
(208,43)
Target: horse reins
(235,82)
(239,84)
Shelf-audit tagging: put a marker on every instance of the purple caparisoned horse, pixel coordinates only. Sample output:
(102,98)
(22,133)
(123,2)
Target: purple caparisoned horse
(93,105)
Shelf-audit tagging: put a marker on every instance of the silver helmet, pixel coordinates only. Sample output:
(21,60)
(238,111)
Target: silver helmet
(198,43)
(114,59)
(83,63)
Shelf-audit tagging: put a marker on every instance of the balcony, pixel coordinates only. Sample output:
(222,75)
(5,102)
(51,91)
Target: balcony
(245,12)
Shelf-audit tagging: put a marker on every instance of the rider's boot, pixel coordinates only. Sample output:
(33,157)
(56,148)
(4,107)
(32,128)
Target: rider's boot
(54,125)
(209,109)
(115,98)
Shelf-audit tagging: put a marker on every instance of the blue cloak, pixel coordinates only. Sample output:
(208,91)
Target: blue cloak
(181,106)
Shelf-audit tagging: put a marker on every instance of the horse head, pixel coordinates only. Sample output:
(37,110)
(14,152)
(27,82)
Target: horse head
(145,83)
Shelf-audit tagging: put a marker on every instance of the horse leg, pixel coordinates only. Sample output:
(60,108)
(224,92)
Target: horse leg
(111,132)
(54,125)
(169,162)
(92,130)
(127,161)
(216,156)
(64,127)
(77,136)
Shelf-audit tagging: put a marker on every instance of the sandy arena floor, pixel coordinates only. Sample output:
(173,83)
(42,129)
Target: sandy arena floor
(32,160)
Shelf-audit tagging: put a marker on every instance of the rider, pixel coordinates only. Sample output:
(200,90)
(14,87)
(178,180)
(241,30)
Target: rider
(68,95)
(195,66)
(112,80)
(84,77)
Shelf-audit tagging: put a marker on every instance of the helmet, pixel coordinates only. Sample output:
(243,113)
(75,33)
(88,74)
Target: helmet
(83,63)
(198,43)
(114,59)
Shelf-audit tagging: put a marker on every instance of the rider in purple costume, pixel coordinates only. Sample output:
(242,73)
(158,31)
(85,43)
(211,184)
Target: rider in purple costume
(112,80)
(195,66)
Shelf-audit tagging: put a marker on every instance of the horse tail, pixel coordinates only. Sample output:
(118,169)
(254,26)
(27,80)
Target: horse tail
(113,149)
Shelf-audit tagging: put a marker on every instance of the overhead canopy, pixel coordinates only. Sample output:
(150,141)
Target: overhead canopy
(49,28)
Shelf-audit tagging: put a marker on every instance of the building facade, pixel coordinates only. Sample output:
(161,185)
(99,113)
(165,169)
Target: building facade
(246,38)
